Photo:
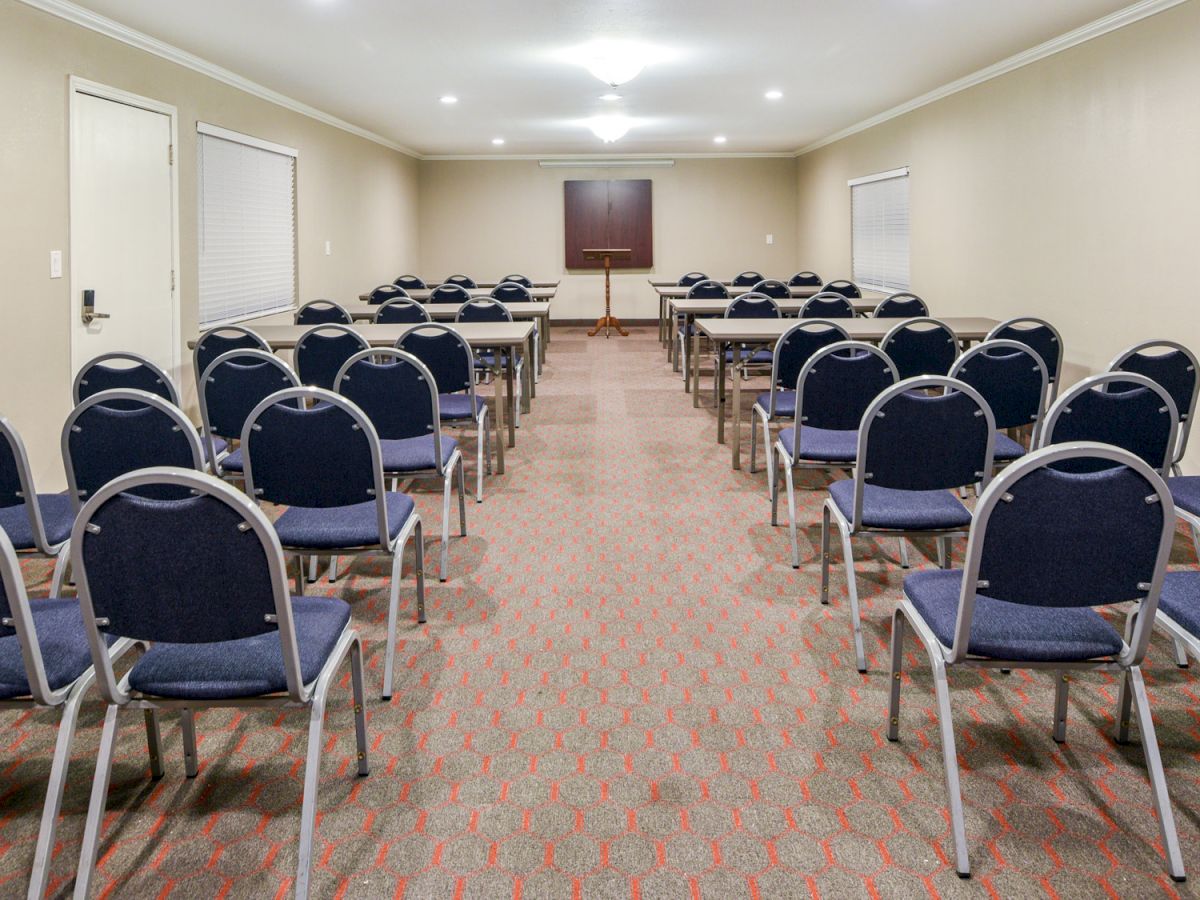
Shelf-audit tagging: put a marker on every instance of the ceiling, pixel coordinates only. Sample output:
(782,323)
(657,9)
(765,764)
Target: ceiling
(513,64)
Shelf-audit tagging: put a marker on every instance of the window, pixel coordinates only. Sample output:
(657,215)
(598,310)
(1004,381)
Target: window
(247,200)
(879,217)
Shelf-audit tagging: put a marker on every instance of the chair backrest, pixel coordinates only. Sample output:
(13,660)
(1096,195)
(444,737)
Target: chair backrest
(222,339)
(805,279)
(1042,337)
(410,283)
(445,353)
(921,347)
(691,278)
(139,374)
(449,293)
(1074,525)
(707,290)
(512,292)
(1173,366)
(232,385)
(901,306)
(753,306)
(462,281)
(384,293)
(516,279)
(483,309)
(794,348)
(827,305)
(396,391)
(1011,377)
(116,432)
(1124,409)
(747,278)
(838,382)
(773,288)
(843,287)
(321,312)
(16,619)
(915,437)
(202,568)
(401,311)
(322,350)
(16,482)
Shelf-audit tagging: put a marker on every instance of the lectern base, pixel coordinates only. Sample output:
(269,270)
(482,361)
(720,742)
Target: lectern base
(607,322)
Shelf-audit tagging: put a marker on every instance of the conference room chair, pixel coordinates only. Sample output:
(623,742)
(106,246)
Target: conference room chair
(827,305)
(232,385)
(449,293)
(465,281)
(1012,379)
(700,290)
(901,306)
(514,292)
(1042,337)
(517,279)
(921,347)
(133,372)
(752,359)
(489,360)
(399,395)
(322,351)
(846,288)
(1174,367)
(222,339)
(45,664)
(336,498)
(747,279)
(385,293)
(401,311)
(918,441)
(35,524)
(1057,534)
(771,287)
(321,312)
(410,283)
(833,390)
(448,357)
(201,579)
(691,278)
(793,349)
(805,279)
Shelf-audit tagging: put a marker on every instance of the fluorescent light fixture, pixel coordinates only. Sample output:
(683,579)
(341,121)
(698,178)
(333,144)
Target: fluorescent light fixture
(610,97)
(605,163)
(773,94)
(449,99)
(499,142)
(719,139)
(609,128)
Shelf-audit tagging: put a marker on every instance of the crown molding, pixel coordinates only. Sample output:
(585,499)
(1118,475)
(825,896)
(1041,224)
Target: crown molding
(598,159)
(1119,19)
(92,21)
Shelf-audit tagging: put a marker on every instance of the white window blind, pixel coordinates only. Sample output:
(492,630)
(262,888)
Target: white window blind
(247,226)
(879,216)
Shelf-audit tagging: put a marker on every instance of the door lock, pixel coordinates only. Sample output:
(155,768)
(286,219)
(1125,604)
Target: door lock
(89,308)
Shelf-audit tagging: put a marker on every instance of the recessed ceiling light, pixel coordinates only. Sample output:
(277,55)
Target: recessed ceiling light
(773,95)
(610,97)
(449,99)
(498,141)
(719,139)
(614,62)
(609,128)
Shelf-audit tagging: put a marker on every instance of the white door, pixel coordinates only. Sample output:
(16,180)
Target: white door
(122,232)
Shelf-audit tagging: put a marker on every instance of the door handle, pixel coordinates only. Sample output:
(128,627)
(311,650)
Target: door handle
(89,308)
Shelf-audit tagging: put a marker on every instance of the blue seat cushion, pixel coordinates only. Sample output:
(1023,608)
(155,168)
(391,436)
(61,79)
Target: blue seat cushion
(57,518)
(821,444)
(785,403)
(1006,448)
(415,454)
(233,461)
(1014,631)
(1185,491)
(338,527)
(454,407)
(487,360)
(1180,599)
(901,510)
(760,357)
(248,667)
(65,652)
(220,445)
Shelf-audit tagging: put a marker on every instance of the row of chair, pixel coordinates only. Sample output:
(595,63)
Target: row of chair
(749,277)
(413,283)
(507,291)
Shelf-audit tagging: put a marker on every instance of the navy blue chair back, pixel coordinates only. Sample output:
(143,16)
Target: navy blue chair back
(772,288)
(384,293)
(462,281)
(901,306)
(16,482)
(16,619)
(322,312)
(838,383)
(707,290)
(401,311)
(516,279)
(222,339)
(321,352)
(1042,337)
(805,279)
(233,384)
(691,278)
(410,283)
(445,354)
(1174,367)
(747,279)
(512,292)
(1123,409)
(1010,376)
(753,306)
(921,347)
(827,305)
(483,310)
(449,293)
(796,346)
(396,391)
(138,374)
(845,288)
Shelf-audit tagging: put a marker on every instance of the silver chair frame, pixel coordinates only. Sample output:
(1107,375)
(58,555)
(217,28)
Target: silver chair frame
(495,370)
(1185,417)
(323,304)
(403,300)
(119,696)
(435,288)
(1034,322)
(1017,347)
(681,336)
(60,553)
(334,327)
(935,325)
(821,298)
(736,280)
(1127,664)
(748,367)
(396,291)
(537,334)
(463,281)
(137,359)
(791,282)
(240,329)
(827,288)
(419,286)
(900,296)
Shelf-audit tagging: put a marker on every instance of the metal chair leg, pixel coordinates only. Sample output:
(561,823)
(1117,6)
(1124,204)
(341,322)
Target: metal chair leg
(1061,688)
(773,462)
(447,488)
(943,552)
(1158,781)
(62,562)
(897,648)
(308,808)
(950,762)
(360,708)
(462,497)
(419,543)
(852,591)
(1181,655)
(312,569)
(99,799)
(333,569)
(904,564)
(791,500)
(389,654)
(39,875)
(754,445)
(825,522)
(191,760)
(154,743)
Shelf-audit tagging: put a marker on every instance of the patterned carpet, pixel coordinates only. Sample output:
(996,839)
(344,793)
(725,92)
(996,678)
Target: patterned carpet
(625,690)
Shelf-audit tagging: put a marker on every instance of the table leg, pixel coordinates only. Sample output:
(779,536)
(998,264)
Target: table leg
(694,362)
(721,392)
(510,401)
(498,424)
(528,383)
(737,417)
(672,343)
(662,319)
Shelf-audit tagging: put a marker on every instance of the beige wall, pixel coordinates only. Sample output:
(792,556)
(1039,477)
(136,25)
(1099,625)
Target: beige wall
(488,219)
(357,194)
(1068,189)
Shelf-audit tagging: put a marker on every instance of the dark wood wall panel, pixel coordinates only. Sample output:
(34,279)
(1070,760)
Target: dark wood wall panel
(609,214)
(586,204)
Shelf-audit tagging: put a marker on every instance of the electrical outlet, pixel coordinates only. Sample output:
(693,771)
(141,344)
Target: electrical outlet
(329,248)
(56,264)
(770,238)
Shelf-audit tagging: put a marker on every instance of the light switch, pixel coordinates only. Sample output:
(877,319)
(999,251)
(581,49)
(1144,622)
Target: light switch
(329,248)
(770,238)
(56,264)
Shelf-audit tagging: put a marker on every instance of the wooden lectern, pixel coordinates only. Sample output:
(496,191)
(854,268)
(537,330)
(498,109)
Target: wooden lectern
(608,320)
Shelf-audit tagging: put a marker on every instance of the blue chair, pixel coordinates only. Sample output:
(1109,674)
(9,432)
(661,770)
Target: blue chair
(1042,337)
(202,580)
(827,305)
(322,312)
(914,448)
(749,278)
(384,293)
(116,432)
(399,396)
(514,292)
(449,293)
(921,347)
(401,311)
(833,390)
(449,359)
(462,281)
(805,279)
(701,290)
(410,283)
(322,351)
(1173,366)
(222,339)
(1048,543)
(516,279)
(1012,379)
(793,349)
(691,278)
(752,359)
(336,497)
(231,386)
(901,306)
(41,527)
(489,360)
(770,287)
(137,373)
(45,663)
(847,289)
